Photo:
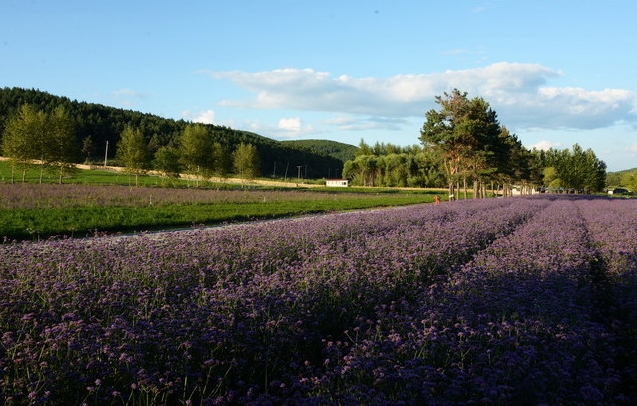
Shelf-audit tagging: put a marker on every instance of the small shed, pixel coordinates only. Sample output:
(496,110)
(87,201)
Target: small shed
(337,182)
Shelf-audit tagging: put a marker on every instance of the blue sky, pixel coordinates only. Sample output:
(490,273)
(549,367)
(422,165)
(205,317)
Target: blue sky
(557,72)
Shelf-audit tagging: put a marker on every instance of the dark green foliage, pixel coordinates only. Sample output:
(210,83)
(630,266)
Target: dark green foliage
(394,166)
(473,146)
(467,135)
(573,170)
(338,150)
(246,161)
(101,123)
(626,178)
(48,137)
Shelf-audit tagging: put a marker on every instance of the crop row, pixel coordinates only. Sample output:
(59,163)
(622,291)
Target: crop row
(53,196)
(36,212)
(504,300)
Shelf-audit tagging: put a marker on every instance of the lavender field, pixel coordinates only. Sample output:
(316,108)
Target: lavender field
(496,301)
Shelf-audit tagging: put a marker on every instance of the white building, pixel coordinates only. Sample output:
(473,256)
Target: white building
(337,182)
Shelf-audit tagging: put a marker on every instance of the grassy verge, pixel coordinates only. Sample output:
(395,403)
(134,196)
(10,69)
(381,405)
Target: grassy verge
(82,221)
(77,218)
(98,201)
(32,173)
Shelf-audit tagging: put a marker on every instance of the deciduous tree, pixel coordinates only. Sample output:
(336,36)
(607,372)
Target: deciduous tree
(61,147)
(88,148)
(221,158)
(33,135)
(573,170)
(132,152)
(195,150)
(23,136)
(246,161)
(167,161)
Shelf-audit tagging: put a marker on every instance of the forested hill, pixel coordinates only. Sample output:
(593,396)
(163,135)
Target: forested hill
(344,152)
(104,124)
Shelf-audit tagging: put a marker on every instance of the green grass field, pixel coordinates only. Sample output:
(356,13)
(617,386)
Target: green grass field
(94,202)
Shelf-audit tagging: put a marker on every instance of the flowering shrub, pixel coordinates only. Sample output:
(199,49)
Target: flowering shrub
(526,300)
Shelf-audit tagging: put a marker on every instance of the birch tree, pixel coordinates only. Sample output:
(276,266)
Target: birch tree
(34,136)
(195,150)
(132,152)
(246,161)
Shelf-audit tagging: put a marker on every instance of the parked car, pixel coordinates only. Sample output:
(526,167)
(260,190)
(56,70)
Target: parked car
(620,192)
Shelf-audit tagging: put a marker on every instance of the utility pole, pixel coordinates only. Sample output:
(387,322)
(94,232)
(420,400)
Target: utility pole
(299,174)
(106,154)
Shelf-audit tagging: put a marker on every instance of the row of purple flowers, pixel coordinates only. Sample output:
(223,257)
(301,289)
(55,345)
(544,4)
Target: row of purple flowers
(507,301)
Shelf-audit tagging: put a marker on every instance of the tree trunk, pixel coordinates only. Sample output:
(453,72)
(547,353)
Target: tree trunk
(464,186)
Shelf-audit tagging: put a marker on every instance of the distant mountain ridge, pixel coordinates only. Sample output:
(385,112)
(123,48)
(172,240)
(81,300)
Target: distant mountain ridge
(624,171)
(104,124)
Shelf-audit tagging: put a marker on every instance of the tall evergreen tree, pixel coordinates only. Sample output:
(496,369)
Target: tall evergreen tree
(465,133)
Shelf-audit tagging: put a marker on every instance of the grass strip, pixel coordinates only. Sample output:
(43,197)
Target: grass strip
(25,224)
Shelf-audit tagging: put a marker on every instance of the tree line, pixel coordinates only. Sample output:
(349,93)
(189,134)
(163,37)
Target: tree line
(98,129)
(394,166)
(50,139)
(463,145)
(35,135)
(195,153)
(626,179)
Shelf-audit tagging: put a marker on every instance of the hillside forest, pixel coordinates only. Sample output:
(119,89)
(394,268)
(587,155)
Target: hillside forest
(97,131)
(462,144)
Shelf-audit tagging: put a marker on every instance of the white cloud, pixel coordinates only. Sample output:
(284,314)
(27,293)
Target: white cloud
(129,93)
(545,145)
(127,97)
(204,117)
(518,92)
(358,123)
(292,128)
(285,128)
(290,124)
